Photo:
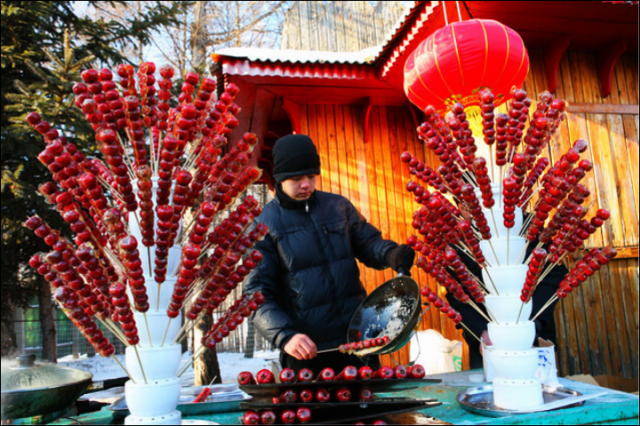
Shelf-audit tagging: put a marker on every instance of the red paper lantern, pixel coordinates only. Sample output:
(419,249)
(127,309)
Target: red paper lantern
(457,61)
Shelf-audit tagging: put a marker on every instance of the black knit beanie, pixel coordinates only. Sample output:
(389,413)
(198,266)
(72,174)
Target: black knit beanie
(294,155)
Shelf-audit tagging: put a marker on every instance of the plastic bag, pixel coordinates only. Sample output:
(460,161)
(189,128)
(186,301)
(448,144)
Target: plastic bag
(434,352)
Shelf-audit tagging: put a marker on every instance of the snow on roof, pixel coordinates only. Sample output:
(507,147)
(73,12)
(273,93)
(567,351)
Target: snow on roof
(365,56)
(301,56)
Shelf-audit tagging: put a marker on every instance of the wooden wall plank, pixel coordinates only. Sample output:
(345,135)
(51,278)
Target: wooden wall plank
(386,171)
(313,133)
(632,274)
(624,159)
(323,149)
(328,25)
(362,178)
(303,31)
(341,146)
(339,22)
(632,68)
(315,11)
(627,316)
(333,149)
(631,142)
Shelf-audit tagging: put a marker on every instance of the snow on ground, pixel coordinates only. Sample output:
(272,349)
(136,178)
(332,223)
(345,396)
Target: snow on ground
(230,365)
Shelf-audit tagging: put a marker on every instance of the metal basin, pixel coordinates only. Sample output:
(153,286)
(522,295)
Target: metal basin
(30,389)
(393,310)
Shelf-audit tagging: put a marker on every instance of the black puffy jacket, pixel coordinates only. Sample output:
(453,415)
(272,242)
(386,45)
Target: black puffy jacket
(309,274)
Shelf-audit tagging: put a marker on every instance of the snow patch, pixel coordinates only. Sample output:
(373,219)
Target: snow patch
(231,364)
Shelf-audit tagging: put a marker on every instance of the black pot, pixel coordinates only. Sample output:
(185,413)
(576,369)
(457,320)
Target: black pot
(30,389)
(393,310)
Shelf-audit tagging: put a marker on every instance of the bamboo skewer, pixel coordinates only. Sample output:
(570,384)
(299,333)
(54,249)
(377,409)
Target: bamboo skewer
(508,232)
(474,306)
(199,352)
(158,298)
(111,326)
(135,348)
(524,203)
(183,333)
(524,250)
(495,226)
(125,370)
(146,322)
(549,303)
(494,253)
(520,312)
(491,279)
(166,331)
(472,333)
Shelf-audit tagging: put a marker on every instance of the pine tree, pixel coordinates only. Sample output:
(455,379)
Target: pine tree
(45,46)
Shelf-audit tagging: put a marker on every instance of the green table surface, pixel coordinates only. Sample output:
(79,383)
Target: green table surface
(612,408)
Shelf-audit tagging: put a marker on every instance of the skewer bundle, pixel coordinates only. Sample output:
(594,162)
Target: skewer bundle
(164,160)
(557,217)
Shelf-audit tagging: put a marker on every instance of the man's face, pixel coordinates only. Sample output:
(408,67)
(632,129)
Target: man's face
(300,187)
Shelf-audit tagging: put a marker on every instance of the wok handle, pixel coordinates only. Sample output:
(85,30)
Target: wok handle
(403,272)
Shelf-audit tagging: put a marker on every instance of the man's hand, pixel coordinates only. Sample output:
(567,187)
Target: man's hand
(486,339)
(300,346)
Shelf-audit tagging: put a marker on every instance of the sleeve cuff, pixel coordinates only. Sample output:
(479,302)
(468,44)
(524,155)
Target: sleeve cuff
(283,337)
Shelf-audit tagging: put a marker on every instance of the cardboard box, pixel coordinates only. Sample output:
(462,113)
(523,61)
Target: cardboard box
(618,383)
(609,382)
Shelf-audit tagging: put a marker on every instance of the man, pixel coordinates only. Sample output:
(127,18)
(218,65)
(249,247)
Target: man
(309,275)
(545,323)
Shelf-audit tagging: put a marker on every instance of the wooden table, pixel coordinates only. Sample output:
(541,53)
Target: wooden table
(612,408)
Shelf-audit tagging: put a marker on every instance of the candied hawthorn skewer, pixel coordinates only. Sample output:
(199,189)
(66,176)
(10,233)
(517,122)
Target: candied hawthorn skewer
(538,258)
(243,306)
(134,130)
(214,293)
(541,164)
(443,307)
(589,264)
(70,305)
(502,143)
(147,80)
(164,95)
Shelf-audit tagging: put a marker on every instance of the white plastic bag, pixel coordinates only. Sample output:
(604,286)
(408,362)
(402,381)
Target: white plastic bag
(435,353)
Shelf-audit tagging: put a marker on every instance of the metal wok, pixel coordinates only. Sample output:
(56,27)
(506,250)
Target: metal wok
(392,310)
(30,389)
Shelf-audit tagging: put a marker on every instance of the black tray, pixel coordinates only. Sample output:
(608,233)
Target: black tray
(345,413)
(376,385)
(363,405)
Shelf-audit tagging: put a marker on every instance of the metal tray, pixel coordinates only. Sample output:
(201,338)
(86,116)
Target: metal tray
(381,402)
(225,397)
(479,400)
(376,385)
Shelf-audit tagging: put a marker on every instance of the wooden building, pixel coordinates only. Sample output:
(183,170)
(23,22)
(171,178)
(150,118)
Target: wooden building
(353,106)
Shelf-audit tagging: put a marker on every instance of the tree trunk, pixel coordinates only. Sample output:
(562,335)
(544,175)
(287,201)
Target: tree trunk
(9,341)
(47,324)
(206,368)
